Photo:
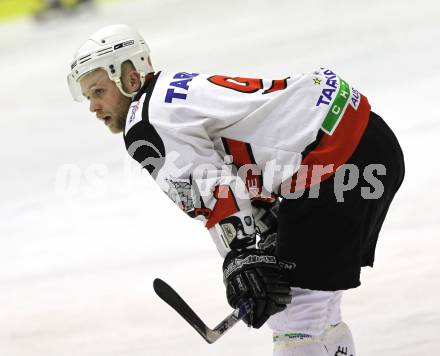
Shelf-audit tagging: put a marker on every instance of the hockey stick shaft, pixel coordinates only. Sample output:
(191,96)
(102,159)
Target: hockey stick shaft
(170,296)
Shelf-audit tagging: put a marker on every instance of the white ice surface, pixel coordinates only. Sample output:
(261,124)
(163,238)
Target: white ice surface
(76,265)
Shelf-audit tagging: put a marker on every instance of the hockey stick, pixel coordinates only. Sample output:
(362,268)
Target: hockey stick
(170,296)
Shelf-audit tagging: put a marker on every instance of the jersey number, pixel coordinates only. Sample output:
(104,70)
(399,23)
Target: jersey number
(247,85)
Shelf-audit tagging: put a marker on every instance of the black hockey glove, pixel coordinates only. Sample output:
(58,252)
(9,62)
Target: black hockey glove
(253,275)
(266,221)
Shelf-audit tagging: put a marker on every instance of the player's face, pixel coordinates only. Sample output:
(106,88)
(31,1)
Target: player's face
(106,101)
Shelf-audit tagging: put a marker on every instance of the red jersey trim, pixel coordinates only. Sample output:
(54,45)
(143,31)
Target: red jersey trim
(241,155)
(225,206)
(335,149)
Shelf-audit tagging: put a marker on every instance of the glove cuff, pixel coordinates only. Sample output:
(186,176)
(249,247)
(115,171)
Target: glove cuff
(254,258)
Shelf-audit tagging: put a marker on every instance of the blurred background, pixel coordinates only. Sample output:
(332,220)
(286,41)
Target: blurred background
(83,232)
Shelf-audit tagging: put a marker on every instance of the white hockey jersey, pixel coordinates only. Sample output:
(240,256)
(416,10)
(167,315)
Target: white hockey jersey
(214,142)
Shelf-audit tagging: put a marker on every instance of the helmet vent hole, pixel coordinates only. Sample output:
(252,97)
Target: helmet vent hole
(102,41)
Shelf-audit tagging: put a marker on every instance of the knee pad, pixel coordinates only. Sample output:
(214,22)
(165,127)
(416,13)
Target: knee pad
(335,340)
(338,340)
(297,344)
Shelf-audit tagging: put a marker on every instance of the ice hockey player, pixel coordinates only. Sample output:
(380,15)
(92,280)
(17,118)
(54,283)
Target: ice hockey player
(292,177)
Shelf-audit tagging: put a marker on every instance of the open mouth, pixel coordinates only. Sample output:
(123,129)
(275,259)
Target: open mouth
(107,120)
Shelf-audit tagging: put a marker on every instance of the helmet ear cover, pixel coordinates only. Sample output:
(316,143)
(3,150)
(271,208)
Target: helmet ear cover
(108,49)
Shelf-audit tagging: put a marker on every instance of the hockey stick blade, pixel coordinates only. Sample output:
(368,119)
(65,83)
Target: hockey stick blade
(170,296)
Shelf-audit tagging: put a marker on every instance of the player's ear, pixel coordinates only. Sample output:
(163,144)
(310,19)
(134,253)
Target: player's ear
(135,81)
(131,81)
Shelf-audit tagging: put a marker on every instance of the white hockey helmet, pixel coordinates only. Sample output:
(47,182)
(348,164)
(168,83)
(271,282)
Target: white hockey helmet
(108,48)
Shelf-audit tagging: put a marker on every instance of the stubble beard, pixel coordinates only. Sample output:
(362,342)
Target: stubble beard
(120,116)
